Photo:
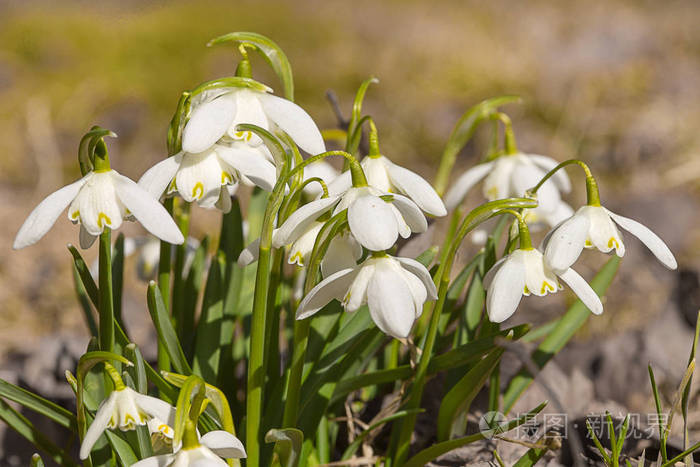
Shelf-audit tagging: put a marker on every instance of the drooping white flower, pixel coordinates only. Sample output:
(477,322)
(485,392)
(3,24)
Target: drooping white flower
(388,177)
(125,409)
(594,227)
(215,116)
(213,446)
(200,176)
(395,290)
(523,272)
(100,199)
(512,175)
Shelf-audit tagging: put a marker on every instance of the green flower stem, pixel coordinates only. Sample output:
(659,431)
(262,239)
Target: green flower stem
(358,175)
(243,70)
(373,140)
(106,338)
(190,439)
(114,376)
(508,135)
(471,221)
(301,327)
(182,216)
(523,230)
(164,267)
(462,132)
(591,184)
(256,370)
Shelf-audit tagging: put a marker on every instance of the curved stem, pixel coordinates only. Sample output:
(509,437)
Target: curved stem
(592,192)
(358,175)
(470,222)
(256,375)
(301,327)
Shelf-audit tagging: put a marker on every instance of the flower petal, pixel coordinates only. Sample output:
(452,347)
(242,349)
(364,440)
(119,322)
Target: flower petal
(156,408)
(417,188)
(411,213)
(86,239)
(332,287)
(565,243)
(357,293)
(584,291)
(294,121)
(300,220)
(250,253)
(208,123)
(505,289)
(649,238)
(147,210)
(156,179)
(560,177)
(254,166)
(526,176)
(43,217)
(340,184)
(224,444)
(372,223)
(464,183)
(343,252)
(98,425)
(488,278)
(390,302)
(420,271)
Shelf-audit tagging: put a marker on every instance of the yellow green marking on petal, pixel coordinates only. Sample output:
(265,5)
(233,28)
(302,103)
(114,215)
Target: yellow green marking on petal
(75,215)
(198,190)
(103,219)
(613,242)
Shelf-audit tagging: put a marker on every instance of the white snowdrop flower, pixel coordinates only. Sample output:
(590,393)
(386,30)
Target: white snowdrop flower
(212,447)
(512,175)
(395,290)
(200,176)
(319,169)
(102,198)
(124,409)
(594,227)
(388,177)
(343,251)
(215,116)
(523,272)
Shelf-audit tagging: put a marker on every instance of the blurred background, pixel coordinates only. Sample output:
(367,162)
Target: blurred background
(614,82)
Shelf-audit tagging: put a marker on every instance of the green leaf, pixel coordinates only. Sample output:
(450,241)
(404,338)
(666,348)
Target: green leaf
(207,350)
(460,397)
(272,53)
(565,329)
(85,276)
(192,394)
(355,445)
(531,457)
(84,301)
(121,448)
(118,277)
(26,429)
(137,372)
(454,358)
(461,134)
(436,450)
(659,413)
(38,404)
(287,445)
(164,328)
(686,393)
(193,286)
